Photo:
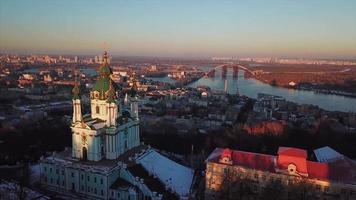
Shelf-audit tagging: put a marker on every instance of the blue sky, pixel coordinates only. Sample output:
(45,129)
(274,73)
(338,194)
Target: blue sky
(284,28)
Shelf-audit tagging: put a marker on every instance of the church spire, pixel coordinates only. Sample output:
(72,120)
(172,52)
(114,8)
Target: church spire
(104,82)
(105,70)
(76,89)
(77,111)
(106,58)
(134,88)
(111,93)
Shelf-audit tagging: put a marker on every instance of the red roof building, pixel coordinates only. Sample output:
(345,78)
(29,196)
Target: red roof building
(332,177)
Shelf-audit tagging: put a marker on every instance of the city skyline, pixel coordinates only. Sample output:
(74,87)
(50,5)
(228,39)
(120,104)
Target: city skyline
(310,29)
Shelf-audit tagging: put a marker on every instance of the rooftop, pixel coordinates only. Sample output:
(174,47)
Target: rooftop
(295,152)
(153,183)
(121,183)
(66,156)
(341,170)
(327,154)
(176,176)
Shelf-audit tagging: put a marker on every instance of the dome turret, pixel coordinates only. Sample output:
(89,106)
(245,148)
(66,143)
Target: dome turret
(76,90)
(103,84)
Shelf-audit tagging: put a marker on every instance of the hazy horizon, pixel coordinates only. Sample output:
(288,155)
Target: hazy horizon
(181,29)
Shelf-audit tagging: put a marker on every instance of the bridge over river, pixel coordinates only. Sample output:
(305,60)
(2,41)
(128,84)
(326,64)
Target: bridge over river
(233,79)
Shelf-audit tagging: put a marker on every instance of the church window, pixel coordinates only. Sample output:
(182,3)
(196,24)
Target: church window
(88,178)
(94,179)
(125,144)
(101,181)
(72,174)
(82,176)
(50,170)
(97,110)
(102,192)
(95,190)
(118,195)
(45,169)
(72,186)
(51,180)
(226,170)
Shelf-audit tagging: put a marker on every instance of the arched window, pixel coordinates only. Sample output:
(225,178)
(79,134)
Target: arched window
(97,110)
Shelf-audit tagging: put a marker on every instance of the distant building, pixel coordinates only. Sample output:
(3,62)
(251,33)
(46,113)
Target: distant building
(335,179)
(153,68)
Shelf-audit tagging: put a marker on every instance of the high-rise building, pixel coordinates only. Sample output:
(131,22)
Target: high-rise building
(100,59)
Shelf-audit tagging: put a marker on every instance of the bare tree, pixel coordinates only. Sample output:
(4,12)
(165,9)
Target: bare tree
(301,189)
(273,190)
(236,187)
(17,189)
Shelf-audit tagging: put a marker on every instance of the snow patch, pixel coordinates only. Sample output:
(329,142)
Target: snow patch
(175,176)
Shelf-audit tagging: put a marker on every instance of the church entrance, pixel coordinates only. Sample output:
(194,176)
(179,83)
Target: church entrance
(84,153)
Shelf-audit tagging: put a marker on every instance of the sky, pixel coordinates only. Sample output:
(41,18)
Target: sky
(182,28)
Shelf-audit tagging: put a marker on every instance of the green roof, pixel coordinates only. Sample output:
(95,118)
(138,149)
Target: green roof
(104,82)
(111,94)
(105,70)
(76,91)
(132,92)
(102,85)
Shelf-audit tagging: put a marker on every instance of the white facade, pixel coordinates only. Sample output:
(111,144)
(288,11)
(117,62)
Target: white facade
(104,142)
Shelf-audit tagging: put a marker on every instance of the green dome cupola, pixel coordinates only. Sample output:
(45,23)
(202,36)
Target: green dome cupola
(104,84)
(76,90)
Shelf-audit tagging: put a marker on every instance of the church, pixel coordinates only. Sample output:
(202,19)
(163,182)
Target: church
(107,159)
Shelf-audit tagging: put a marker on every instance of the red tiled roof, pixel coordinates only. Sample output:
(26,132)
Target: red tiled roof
(318,170)
(295,152)
(342,170)
(257,161)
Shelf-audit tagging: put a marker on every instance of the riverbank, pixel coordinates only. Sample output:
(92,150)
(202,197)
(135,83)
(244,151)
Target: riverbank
(325,79)
(316,88)
(246,84)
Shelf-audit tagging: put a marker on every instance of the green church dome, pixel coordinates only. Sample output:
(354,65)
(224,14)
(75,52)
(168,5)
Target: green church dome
(104,83)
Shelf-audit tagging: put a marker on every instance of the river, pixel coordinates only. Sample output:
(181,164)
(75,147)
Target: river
(251,87)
